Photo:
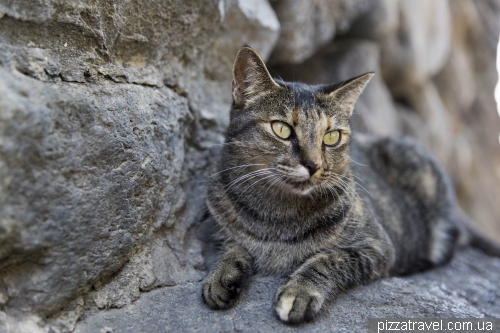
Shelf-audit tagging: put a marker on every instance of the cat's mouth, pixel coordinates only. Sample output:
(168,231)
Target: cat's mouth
(299,183)
(300,186)
(298,179)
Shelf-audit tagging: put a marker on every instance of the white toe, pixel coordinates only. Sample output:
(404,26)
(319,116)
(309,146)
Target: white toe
(284,306)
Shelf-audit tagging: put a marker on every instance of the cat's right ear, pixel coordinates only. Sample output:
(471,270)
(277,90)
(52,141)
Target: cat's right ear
(251,79)
(343,95)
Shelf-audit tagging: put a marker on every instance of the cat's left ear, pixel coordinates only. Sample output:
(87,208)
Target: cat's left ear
(343,95)
(251,79)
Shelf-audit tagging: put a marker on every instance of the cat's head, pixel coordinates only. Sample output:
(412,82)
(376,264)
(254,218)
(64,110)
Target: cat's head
(293,134)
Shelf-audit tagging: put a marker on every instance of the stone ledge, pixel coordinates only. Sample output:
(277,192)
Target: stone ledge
(465,288)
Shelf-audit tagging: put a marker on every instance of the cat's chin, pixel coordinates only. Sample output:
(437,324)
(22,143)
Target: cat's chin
(307,191)
(303,187)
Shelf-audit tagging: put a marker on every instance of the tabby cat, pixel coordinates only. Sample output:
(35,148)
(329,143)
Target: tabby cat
(298,194)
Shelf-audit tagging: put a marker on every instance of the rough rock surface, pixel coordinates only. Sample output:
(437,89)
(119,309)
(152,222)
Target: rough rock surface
(307,25)
(86,176)
(111,114)
(420,46)
(466,288)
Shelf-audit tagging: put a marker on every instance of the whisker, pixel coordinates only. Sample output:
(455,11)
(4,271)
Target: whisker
(348,194)
(268,176)
(239,166)
(347,188)
(276,179)
(359,185)
(357,177)
(335,194)
(357,162)
(248,175)
(227,143)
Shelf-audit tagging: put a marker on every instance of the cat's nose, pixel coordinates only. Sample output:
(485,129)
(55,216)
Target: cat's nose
(311,167)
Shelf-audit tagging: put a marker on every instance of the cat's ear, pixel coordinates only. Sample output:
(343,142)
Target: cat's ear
(251,79)
(343,95)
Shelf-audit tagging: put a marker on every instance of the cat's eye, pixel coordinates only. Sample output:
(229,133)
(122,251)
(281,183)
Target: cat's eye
(331,138)
(281,129)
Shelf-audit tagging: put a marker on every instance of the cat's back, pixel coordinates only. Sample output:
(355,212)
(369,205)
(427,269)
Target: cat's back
(403,164)
(409,193)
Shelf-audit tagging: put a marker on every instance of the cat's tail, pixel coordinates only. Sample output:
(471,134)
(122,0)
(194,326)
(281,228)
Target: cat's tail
(471,235)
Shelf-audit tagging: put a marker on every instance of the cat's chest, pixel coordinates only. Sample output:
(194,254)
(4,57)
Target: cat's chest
(281,258)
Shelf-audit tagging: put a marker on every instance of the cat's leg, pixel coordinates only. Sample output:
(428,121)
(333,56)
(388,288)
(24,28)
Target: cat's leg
(226,281)
(325,275)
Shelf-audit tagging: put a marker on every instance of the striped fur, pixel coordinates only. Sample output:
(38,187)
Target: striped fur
(374,207)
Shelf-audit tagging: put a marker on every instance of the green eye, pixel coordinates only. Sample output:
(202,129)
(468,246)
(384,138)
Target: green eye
(331,138)
(281,129)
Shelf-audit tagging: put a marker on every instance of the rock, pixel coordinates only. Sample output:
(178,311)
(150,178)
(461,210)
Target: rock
(465,86)
(449,94)
(87,176)
(307,26)
(243,22)
(438,128)
(106,135)
(374,111)
(419,48)
(378,22)
(465,288)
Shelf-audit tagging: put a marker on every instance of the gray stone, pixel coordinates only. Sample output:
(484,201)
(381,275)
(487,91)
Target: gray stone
(103,155)
(380,21)
(465,288)
(87,176)
(419,48)
(306,26)
(465,86)
(436,133)
(243,22)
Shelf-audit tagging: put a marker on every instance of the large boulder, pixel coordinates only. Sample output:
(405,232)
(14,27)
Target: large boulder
(90,175)
(243,22)
(419,47)
(380,21)
(306,26)
(465,86)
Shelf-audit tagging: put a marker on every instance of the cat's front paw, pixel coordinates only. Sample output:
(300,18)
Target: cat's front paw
(296,303)
(224,286)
